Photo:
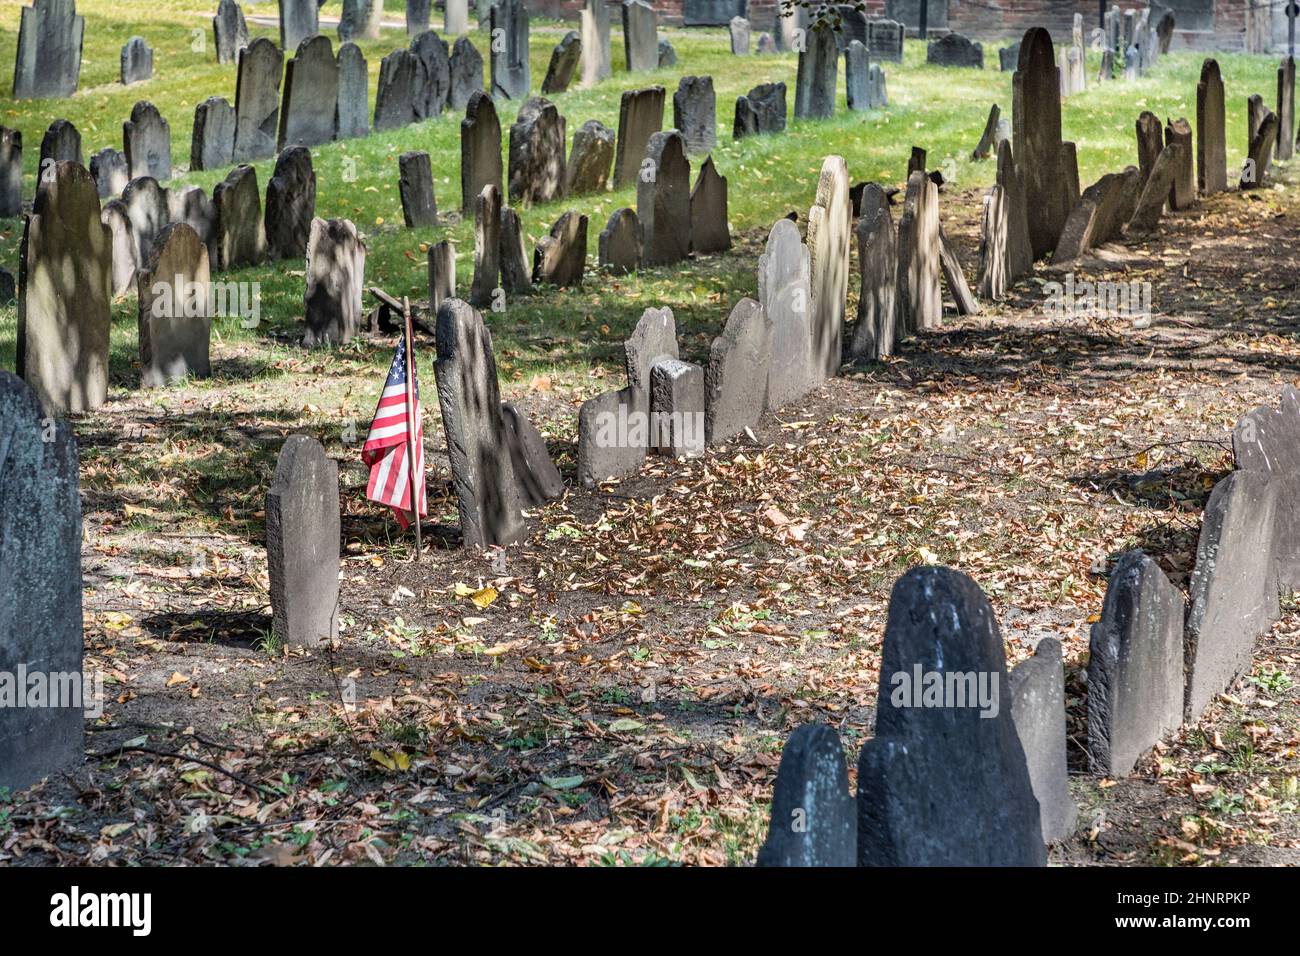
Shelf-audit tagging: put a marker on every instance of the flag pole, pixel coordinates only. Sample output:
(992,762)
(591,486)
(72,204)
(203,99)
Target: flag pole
(412,431)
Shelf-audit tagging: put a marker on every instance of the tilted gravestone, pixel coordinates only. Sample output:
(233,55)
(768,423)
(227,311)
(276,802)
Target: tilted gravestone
(1267,440)
(61,143)
(589,159)
(417,16)
(1020,254)
(482,471)
(536,476)
(302,543)
(257,100)
(663,201)
(487,246)
(399,83)
(212,140)
(994,252)
(48,62)
(1150,141)
(122,241)
(173,318)
(434,88)
(466,73)
(784,277)
(640,115)
(229,31)
(1135,665)
(876,334)
(946,767)
(814,816)
(109,169)
(11,172)
(814,92)
(954,50)
(1037,700)
(536,156)
(290,204)
(564,61)
(147,139)
(955,277)
(1285,109)
(640,36)
(735,381)
(40,574)
(595,42)
(241,235)
(299,20)
(136,61)
(336,275)
(1040,163)
(480,149)
(1211,142)
(695,114)
(739,28)
(509,52)
(516,277)
(1182,193)
(351,112)
(415,184)
(64,296)
(620,243)
(829,227)
(920,300)
(561,256)
(1101,214)
(311,92)
(762,110)
(984,148)
(442,273)
(709,229)
(1155,194)
(1260,153)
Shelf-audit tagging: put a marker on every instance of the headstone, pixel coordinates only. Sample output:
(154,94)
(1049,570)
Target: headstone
(944,770)
(1211,143)
(1020,256)
(784,277)
(739,28)
(561,256)
(109,169)
(761,110)
(537,140)
(1151,202)
(564,61)
(766,44)
(487,246)
(595,42)
(1103,210)
(984,147)
(709,230)
(1260,154)
(1150,141)
(65,264)
(953,49)
(174,322)
(695,114)
(876,334)
(257,100)
(336,276)
(400,76)
(417,16)
(229,31)
(415,184)
(480,149)
(516,277)
(589,159)
(640,115)
(954,277)
(677,408)
(311,93)
(298,21)
(735,381)
(1037,700)
(814,92)
(510,73)
(1008,57)
(61,143)
(11,172)
(148,143)
(466,73)
(994,251)
(712,13)
(361,19)
(920,300)
(290,204)
(442,273)
(48,62)
(456,17)
(786,24)
(136,61)
(829,227)
(1267,440)
(885,39)
(536,476)
(351,112)
(241,236)
(640,36)
(191,205)
(433,88)
(620,243)
(40,573)
(857,79)
(146,205)
(302,543)
(663,201)
(482,471)
(122,242)
(1285,109)
(1165,30)
(1036,115)
(1183,193)
(212,140)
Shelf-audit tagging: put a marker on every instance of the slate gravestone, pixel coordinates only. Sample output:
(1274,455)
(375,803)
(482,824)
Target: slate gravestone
(466,73)
(1008,57)
(984,148)
(1285,109)
(40,574)
(417,16)
(311,92)
(212,140)
(241,236)
(11,172)
(510,72)
(122,241)
(1260,154)
(830,222)
(482,471)
(1036,117)
(1183,193)
(1037,700)
(1150,141)
(814,816)
(640,115)
(191,205)
(174,321)
(480,149)
(920,300)
(561,256)
(1135,666)
(885,39)
(695,114)
(257,100)
(935,781)
(595,42)
(487,246)
(290,204)
(1233,589)
(667,55)
(954,49)
(564,61)
(536,159)
(147,139)
(302,543)
(640,36)
(814,91)
(109,169)
(784,277)
(1151,202)
(663,201)
(735,381)
(415,184)
(1211,142)
(1019,250)
(709,230)
(147,208)
(712,13)
(434,88)
(589,159)
(1267,440)
(48,62)
(876,334)
(620,243)
(65,264)
(516,277)
(1255,113)
(298,22)
(762,110)
(853,25)
(61,143)
(399,83)
(442,273)
(677,409)
(536,476)
(229,31)
(336,276)
(351,112)
(136,61)
(739,28)
(361,18)
(456,17)
(765,44)
(857,84)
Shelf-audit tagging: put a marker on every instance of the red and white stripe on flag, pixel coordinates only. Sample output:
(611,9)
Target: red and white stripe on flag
(386,451)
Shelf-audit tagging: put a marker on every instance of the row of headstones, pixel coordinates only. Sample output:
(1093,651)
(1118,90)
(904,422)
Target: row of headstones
(954,760)
(818,75)
(882,36)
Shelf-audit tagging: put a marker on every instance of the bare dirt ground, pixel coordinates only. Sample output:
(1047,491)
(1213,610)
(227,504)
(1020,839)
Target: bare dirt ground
(617,689)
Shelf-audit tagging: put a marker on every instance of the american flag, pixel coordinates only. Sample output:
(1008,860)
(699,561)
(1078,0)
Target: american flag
(385,450)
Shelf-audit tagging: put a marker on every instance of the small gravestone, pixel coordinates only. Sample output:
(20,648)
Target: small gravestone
(709,229)
(984,148)
(814,816)
(920,300)
(487,246)
(466,73)
(456,17)
(762,110)
(1267,440)
(766,45)
(122,242)
(351,115)
(945,770)
(561,256)
(677,409)
(589,159)
(1019,249)
(510,72)
(415,184)
(399,83)
(695,114)
(1040,163)
(302,544)
(336,275)
(48,61)
(1155,194)
(257,100)
(61,143)
(417,16)
(65,264)
(229,31)
(1211,142)
(298,21)
(174,322)
(1135,665)
(1285,109)
(1165,31)
(857,79)
(136,61)
(640,36)
(536,476)
(1260,154)
(311,92)
(536,158)
(994,252)
(482,470)
(640,115)
(885,39)
(146,205)
(595,42)
(110,171)
(148,143)
(290,204)
(516,278)
(663,201)
(667,55)
(1008,57)
(784,276)
(1116,196)
(241,236)
(40,574)
(564,61)
(480,149)
(212,140)
(620,243)
(739,28)
(11,172)
(876,334)
(955,50)
(735,382)
(814,92)
(829,226)
(1182,194)
(361,18)
(442,273)
(191,205)
(1037,701)
(434,86)
(1150,141)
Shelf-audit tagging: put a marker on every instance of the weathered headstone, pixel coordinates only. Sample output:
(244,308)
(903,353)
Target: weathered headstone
(984,148)
(1036,116)
(516,277)
(11,172)
(1155,194)
(351,113)
(761,110)
(536,476)
(1008,57)
(147,139)
(212,140)
(695,114)
(709,229)
(620,243)
(1211,142)
(191,205)
(663,201)
(290,204)
(920,300)
(299,21)
(241,235)
(433,88)
(814,92)
(1183,193)
(954,277)
(667,54)
(595,42)
(229,31)
(876,334)
(48,62)
(487,246)
(857,77)
(536,159)
(442,273)
(739,28)
(564,61)
(640,115)
(136,61)
(784,276)
(174,321)
(456,17)
(953,49)
(400,76)
(640,35)
(1285,109)
(122,242)
(1150,141)
(1020,256)
(1103,210)
(415,185)
(1267,440)
(735,381)
(994,252)
(61,143)
(110,171)
(829,227)
(1260,155)
(146,205)
(510,72)
(1037,701)
(466,73)
(417,16)
(885,39)
(311,93)
(361,18)
(561,257)
(677,408)
(336,275)
(257,100)
(480,149)
(589,159)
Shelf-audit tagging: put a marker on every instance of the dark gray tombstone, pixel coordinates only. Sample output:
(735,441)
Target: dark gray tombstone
(814,92)
(857,80)
(11,172)
(302,543)
(336,276)
(709,230)
(1155,194)
(417,16)
(351,110)
(564,62)
(1150,141)
(149,212)
(516,277)
(536,476)
(48,62)
(487,246)
(814,816)
(667,55)
(299,21)
(61,143)
(712,13)
(663,202)
(1182,194)
(620,243)
(1211,142)
(110,171)
(561,256)
(920,302)
(432,93)
(640,115)
(784,291)
(480,149)
(735,381)
(1008,57)
(136,62)
(640,36)
(1037,699)
(695,114)
(415,184)
(212,140)
(953,49)
(589,159)
(290,204)
(885,39)
(511,77)
(442,273)
(1040,165)
(876,334)
(257,100)
(147,139)
(311,93)
(241,235)
(536,156)
(229,31)
(762,110)
(595,42)
(174,321)
(1267,440)
(466,73)
(122,241)
(400,76)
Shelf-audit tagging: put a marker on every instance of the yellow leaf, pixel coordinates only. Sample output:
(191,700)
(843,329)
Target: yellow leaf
(484,596)
(177,678)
